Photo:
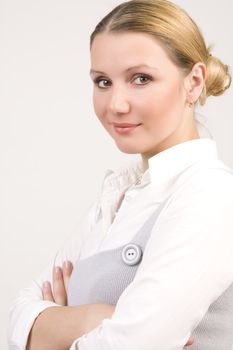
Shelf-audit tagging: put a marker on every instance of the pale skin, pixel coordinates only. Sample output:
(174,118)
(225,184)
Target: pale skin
(51,329)
(143,101)
(56,328)
(142,86)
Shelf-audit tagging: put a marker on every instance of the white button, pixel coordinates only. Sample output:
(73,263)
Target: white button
(131,254)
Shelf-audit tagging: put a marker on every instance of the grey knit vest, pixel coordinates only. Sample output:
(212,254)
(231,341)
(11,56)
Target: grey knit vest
(101,278)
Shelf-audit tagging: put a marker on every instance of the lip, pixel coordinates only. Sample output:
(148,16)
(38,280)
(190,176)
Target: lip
(124,128)
(125,125)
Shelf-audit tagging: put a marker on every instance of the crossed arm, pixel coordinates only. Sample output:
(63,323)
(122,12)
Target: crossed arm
(57,327)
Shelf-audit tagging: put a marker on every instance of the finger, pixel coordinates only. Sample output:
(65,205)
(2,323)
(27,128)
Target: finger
(67,268)
(47,291)
(59,292)
(190,341)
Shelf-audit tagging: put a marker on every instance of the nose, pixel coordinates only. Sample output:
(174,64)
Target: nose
(119,101)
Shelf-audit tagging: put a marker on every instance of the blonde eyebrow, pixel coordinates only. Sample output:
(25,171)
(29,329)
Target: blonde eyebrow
(141,66)
(92,71)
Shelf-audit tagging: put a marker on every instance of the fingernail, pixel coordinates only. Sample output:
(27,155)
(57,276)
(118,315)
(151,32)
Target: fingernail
(66,264)
(46,285)
(57,270)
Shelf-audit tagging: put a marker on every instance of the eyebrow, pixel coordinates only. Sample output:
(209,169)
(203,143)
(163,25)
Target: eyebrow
(92,71)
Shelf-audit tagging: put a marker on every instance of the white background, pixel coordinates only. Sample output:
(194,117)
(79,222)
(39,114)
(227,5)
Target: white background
(53,151)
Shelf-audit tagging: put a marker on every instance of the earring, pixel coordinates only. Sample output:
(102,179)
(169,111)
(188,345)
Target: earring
(190,104)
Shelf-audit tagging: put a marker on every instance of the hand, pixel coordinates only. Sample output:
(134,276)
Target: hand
(190,342)
(95,312)
(60,282)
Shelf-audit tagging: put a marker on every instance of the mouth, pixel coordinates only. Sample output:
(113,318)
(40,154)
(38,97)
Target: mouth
(125,128)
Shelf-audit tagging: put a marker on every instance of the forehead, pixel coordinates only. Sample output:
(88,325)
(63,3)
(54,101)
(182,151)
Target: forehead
(127,49)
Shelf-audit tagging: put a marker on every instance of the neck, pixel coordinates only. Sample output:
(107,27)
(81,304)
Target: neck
(167,144)
(145,163)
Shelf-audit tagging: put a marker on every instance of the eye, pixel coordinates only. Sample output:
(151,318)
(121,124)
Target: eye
(142,79)
(102,83)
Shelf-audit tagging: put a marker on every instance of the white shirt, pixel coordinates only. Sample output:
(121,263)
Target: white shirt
(187,262)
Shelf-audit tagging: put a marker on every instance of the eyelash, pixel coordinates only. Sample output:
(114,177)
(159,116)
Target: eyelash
(143,76)
(98,80)
(148,78)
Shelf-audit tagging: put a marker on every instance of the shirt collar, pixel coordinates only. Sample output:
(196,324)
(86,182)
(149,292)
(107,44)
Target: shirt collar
(162,166)
(172,161)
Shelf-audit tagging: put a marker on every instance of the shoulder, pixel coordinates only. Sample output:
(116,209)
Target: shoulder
(209,186)
(212,175)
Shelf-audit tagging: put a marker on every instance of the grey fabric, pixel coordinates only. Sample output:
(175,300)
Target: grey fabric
(103,277)
(215,331)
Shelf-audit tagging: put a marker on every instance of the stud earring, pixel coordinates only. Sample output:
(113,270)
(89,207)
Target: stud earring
(190,104)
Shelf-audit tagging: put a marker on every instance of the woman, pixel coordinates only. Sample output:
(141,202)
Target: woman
(152,264)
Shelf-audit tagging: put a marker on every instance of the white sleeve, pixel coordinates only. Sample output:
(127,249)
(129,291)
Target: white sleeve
(29,304)
(187,264)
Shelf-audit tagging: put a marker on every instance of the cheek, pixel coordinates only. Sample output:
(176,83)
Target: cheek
(165,104)
(98,105)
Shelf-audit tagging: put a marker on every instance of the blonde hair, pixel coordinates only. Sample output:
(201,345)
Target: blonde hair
(176,31)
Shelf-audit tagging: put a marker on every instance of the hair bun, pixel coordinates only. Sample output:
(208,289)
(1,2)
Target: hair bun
(218,77)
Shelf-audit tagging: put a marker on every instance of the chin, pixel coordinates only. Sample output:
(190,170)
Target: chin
(129,149)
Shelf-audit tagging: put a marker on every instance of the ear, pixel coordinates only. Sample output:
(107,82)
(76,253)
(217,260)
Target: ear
(195,82)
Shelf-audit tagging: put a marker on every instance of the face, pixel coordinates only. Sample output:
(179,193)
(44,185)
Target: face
(140,95)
